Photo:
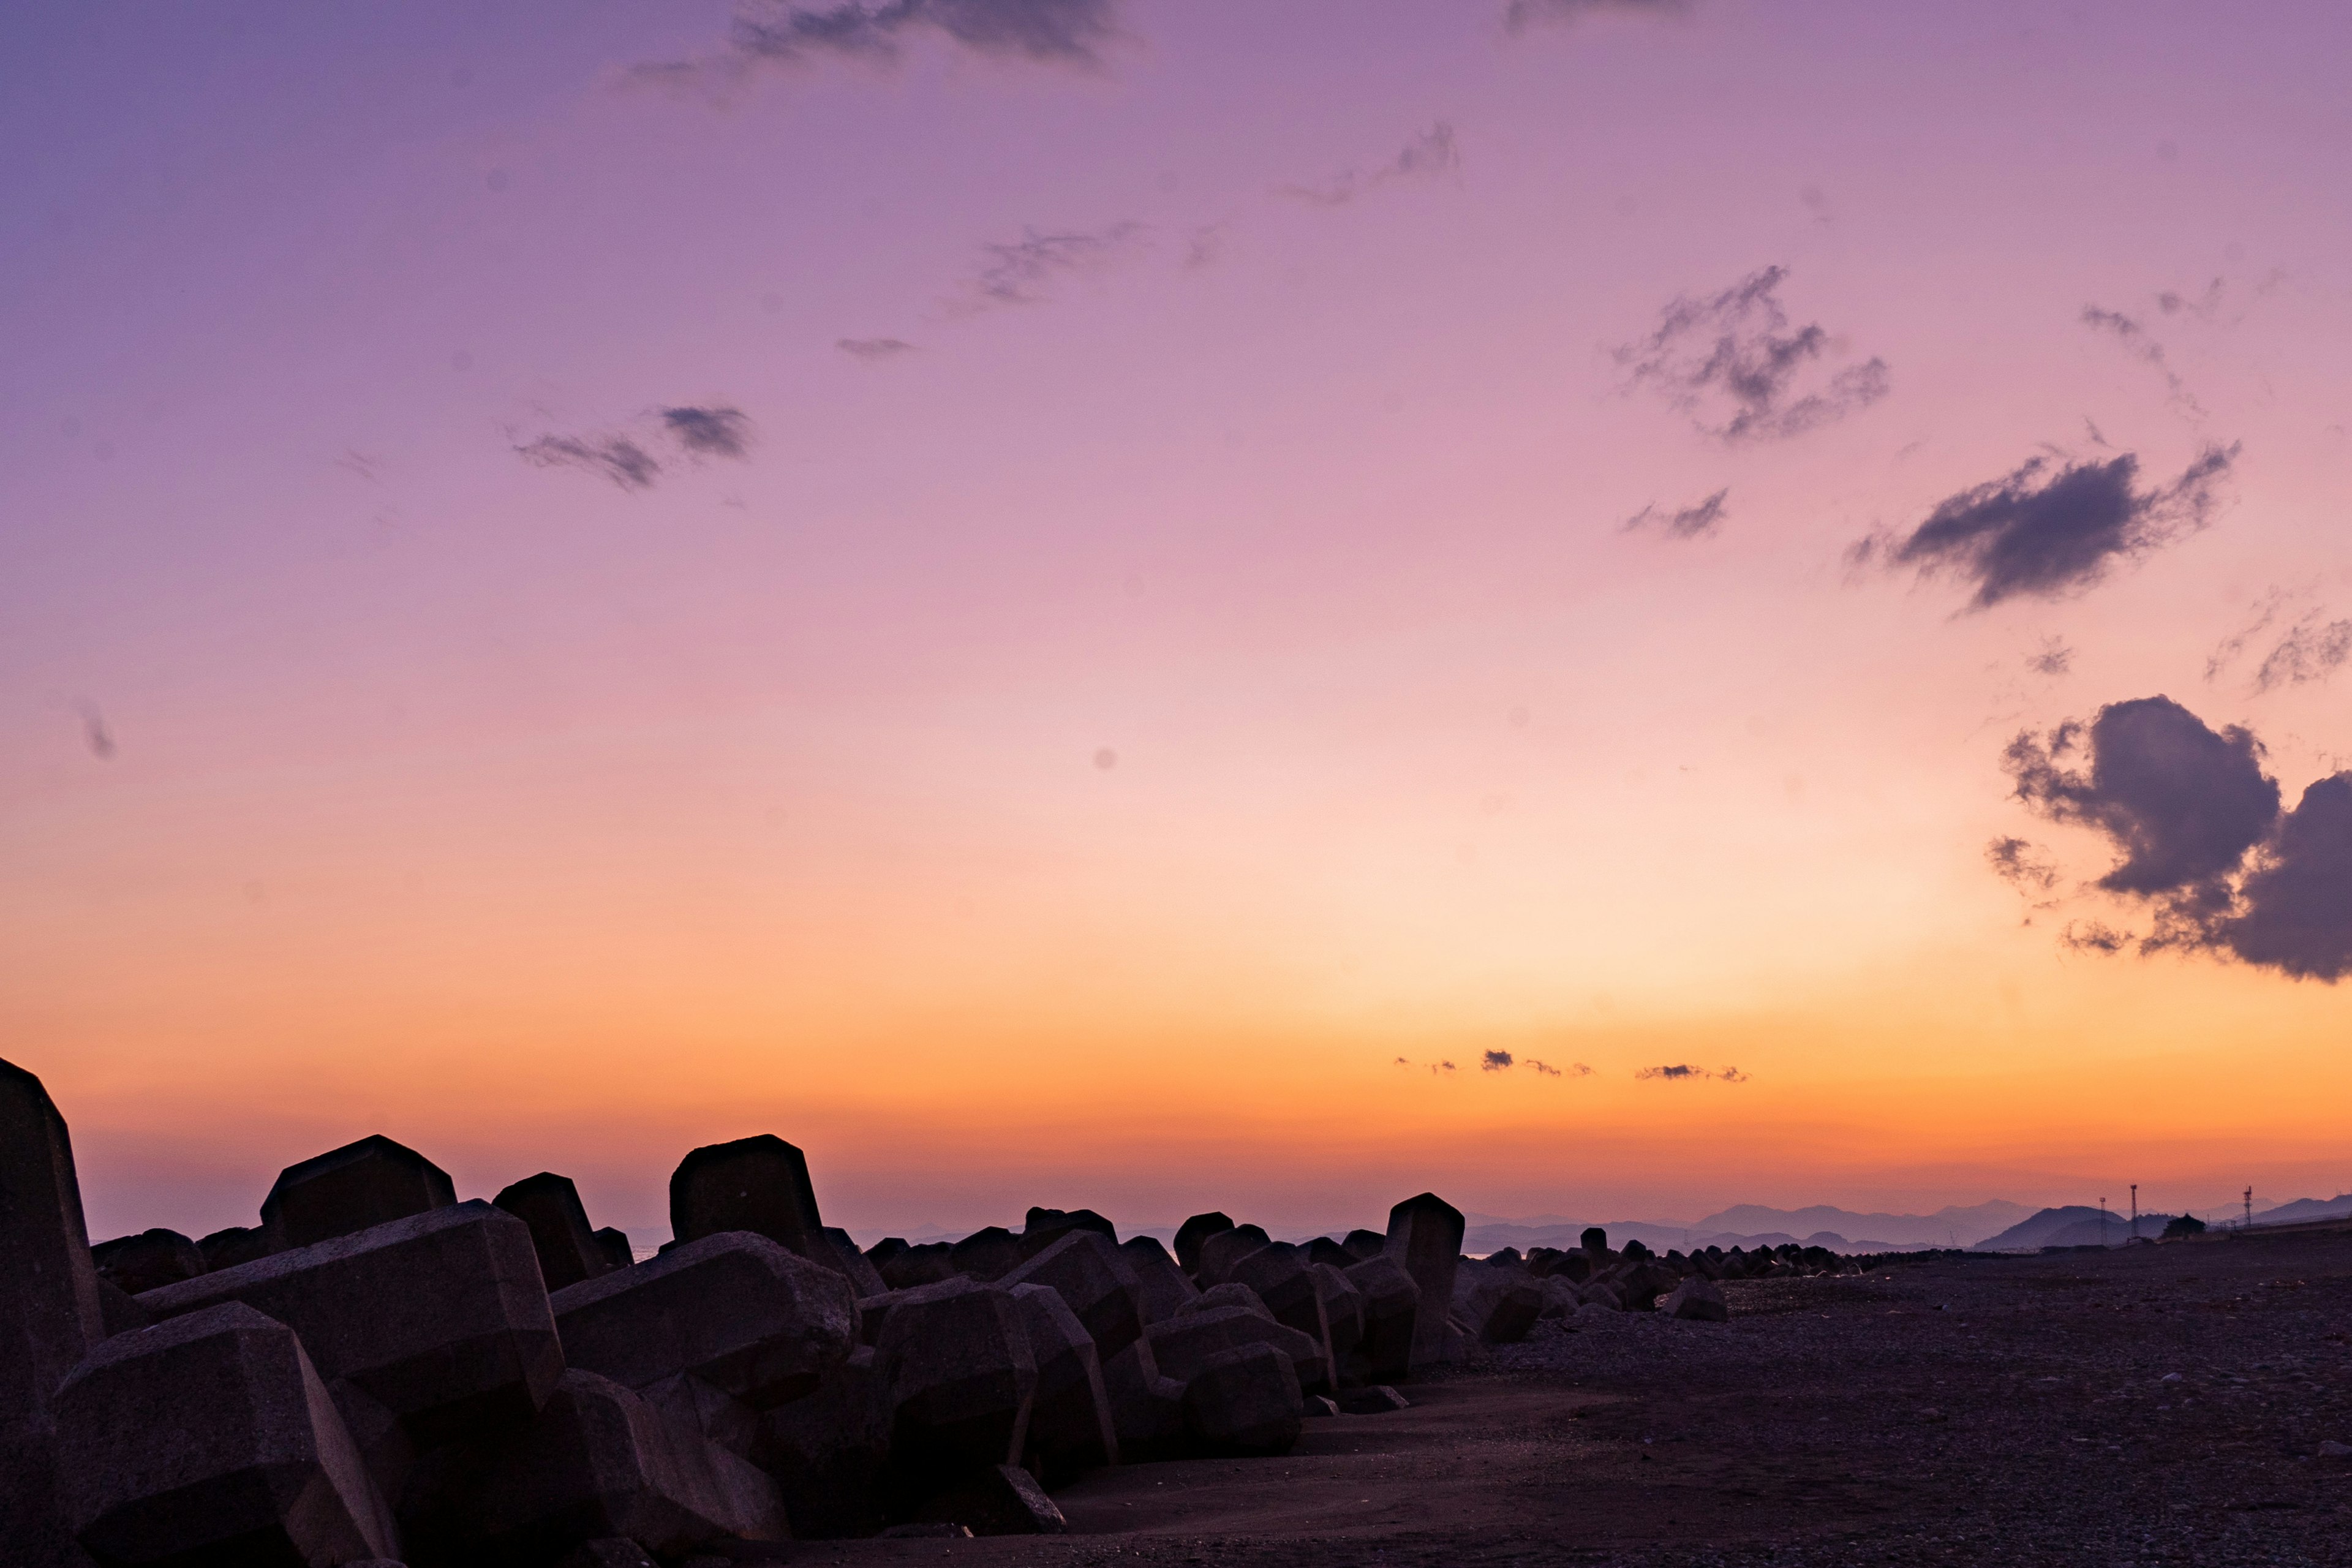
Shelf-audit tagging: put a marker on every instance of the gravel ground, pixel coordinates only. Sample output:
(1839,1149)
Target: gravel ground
(2159,1405)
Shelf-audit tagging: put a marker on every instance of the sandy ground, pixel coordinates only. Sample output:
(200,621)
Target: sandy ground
(2005,1411)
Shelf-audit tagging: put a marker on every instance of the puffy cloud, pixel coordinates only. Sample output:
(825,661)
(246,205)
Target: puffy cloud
(2043,531)
(1687,522)
(2204,846)
(1731,362)
(1495,1061)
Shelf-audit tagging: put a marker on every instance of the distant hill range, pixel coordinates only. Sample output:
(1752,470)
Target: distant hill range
(2302,1209)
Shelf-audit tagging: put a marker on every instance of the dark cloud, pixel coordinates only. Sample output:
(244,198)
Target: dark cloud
(2181,802)
(1685,1070)
(2266,612)
(1573,1070)
(709,432)
(2022,865)
(2293,908)
(1495,1061)
(1023,272)
(873,349)
(1431,154)
(616,457)
(2312,650)
(2135,339)
(2205,847)
(2055,658)
(1687,522)
(1520,13)
(2042,531)
(1065,32)
(1731,362)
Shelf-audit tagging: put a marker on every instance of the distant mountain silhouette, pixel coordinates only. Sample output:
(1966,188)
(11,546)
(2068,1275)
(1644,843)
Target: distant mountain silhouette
(2076,1225)
(2337,1207)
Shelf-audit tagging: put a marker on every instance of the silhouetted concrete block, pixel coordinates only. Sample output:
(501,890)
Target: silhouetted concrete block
(1641,1285)
(1561,1297)
(1044,1227)
(834,1249)
(1391,1305)
(440,1318)
(597,1462)
(615,1245)
(369,1183)
(1343,1310)
(1183,1345)
(1070,1426)
(720,1418)
(1315,1406)
(51,1312)
(1147,1409)
(1220,1252)
(609,1552)
(152,1257)
(1284,1282)
(1194,1231)
(568,1249)
(238,1244)
(1696,1300)
(1162,1288)
(1594,1239)
(955,1361)
(1094,1277)
(211,1439)
(1362,1245)
(926,1264)
(756,1321)
(118,1311)
(1425,1235)
(1323,1249)
(990,1253)
(1498,1303)
(1002,1500)
(829,1452)
(1244,1401)
(1231,1293)
(758,1183)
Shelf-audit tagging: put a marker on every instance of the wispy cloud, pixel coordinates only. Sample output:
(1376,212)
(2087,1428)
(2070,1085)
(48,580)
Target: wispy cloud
(95,734)
(1686,522)
(1069,33)
(2022,865)
(1681,1071)
(1519,15)
(717,432)
(874,349)
(2135,340)
(1431,154)
(2054,658)
(2043,531)
(1024,271)
(614,458)
(2313,650)
(697,431)
(1731,362)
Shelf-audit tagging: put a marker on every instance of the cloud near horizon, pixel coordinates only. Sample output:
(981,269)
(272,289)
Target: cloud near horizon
(2203,844)
(2040,532)
(874,349)
(1679,1071)
(1730,361)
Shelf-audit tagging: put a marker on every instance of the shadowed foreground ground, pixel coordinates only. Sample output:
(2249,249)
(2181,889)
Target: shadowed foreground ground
(1991,1410)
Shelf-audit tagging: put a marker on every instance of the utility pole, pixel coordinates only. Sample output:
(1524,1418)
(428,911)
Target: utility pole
(2135,1236)
(2249,1209)
(2103,1222)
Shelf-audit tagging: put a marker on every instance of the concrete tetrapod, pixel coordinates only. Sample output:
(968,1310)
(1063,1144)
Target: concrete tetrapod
(1391,1304)
(365,1183)
(957,1370)
(1094,1279)
(568,1249)
(210,1439)
(1161,1288)
(1244,1401)
(757,1323)
(829,1452)
(758,1183)
(142,1262)
(1426,1236)
(1070,1426)
(49,1311)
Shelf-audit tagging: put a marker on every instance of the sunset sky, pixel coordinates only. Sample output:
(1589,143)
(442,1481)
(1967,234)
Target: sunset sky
(1062,600)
